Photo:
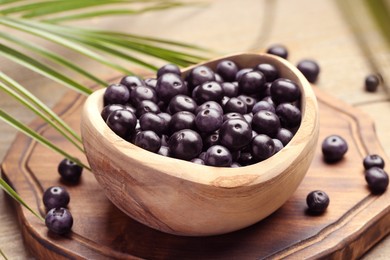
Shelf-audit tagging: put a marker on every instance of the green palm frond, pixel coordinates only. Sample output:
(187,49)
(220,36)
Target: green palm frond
(48,21)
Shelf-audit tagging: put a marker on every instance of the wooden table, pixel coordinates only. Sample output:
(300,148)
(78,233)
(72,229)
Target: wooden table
(318,31)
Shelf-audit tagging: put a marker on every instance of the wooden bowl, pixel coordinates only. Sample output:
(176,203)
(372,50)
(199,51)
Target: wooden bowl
(185,198)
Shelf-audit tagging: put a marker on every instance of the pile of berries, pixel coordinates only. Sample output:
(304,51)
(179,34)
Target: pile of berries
(227,117)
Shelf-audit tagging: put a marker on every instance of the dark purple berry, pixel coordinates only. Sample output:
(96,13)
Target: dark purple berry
(266,122)
(317,202)
(245,158)
(377,179)
(284,91)
(230,89)
(208,120)
(232,115)
(371,83)
(185,144)
(269,71)
(170,85)
(284,135)
(153,122)
(168,68)
(132,81)
(227,69)
(141,93)
(373,160)
(290,116)
(59,220)
(116,94)
(235,105)
(70,171)
(333,148)
(146,106)
(55,197)
(200,75)
(252,82)
(110,108)
(182,103)
(278,50)
(235,134)
(208,91)
(148,140)
(122,122)
(278,145)
(249,101)
(262,147)
(198,161)
(150,82)
(218,155)
(210,140)
(181,120)
(310,69)
(209,104)
(242,72)
(263,105)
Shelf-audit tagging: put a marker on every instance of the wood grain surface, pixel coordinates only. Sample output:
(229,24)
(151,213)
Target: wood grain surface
(317,31)
(353,223)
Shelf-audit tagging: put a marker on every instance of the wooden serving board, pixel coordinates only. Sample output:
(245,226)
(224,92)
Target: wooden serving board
(353,223)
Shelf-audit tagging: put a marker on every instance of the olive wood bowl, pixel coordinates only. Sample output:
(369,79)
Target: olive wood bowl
(184,198)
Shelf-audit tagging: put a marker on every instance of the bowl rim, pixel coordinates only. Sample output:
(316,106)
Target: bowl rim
(225,177)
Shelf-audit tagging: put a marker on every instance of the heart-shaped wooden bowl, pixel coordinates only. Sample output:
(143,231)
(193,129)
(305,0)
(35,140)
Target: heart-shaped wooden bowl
(185,198)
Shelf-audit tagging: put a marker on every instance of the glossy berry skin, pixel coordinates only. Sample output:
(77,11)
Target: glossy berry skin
(208,120)
(278,145)
(198,161)
(209,104)
(333,148)
(218,155)
(235,105)
(169,85)
(290,116)
(284,91)
(146,106)
(262,147)
(266,122)
(249,101)
(140,93)
(59,220)
(153,122)
(278,50)
(148,140)
(235,134)
(209,91)
(210,140)
(110,108)
(232,115)
(252,83)
(182,120)
(263,105)
(371,83)
(377,179)
(55,197)
(317,202)
(168,68)
(284,135)
(70,172)
(131,82)
(116,94)
(200,75)
(150,82)
(242,72)
(373,160)
(230,89)
(310,69)
(185,144)
(269,71)
(227,69)
(122,122)
(164,150)
(182,103)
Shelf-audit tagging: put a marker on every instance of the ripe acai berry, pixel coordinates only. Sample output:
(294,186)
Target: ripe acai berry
(59,220)
(55,197)
(122,122)
(371,83)
(310,69)
(218,155)
(185,144)
(373,160)
(317,201)
(70,171)
(377,180)
(278,50)
(333,148)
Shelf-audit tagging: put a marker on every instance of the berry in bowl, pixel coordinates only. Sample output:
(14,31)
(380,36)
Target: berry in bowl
(208,150)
